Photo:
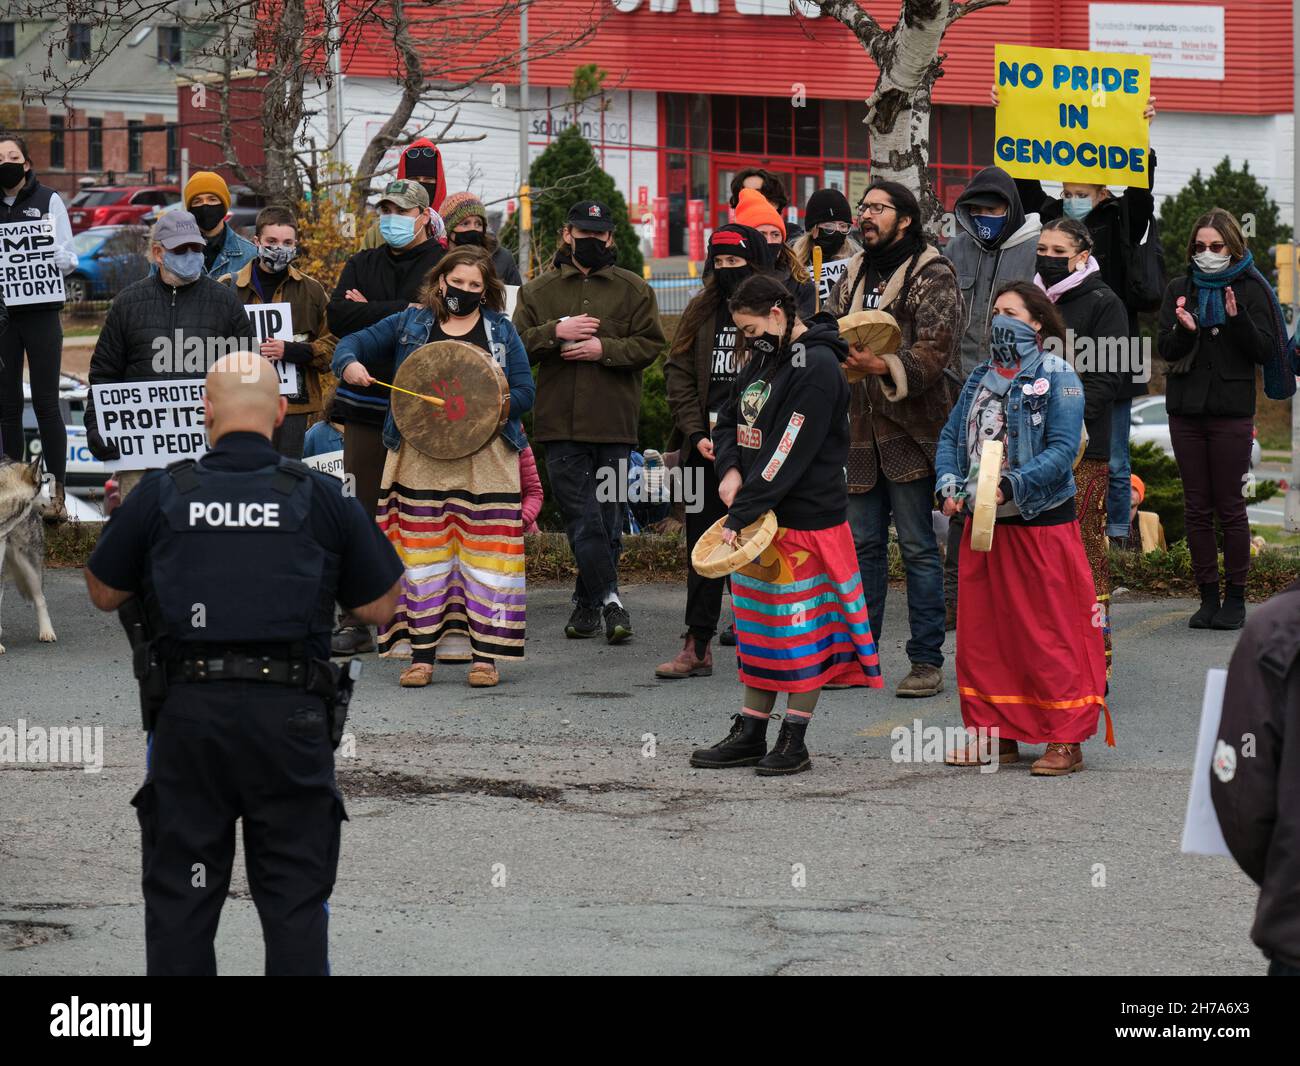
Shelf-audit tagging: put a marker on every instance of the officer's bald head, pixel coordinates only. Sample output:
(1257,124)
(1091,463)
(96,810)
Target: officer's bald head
(242,393)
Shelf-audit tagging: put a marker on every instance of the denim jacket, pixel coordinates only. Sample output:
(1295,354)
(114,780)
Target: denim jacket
(402,333)
(1040,450)
(236,253)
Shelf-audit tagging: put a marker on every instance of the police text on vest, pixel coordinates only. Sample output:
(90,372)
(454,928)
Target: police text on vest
(235,515)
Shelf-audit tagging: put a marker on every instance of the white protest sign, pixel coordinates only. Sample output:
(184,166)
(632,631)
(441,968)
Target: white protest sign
(28,274)
(274,322)
(153,423)
(1201,832)
(512,298)
(328,463)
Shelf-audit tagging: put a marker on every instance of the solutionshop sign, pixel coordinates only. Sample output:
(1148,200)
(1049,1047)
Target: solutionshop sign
(711,7)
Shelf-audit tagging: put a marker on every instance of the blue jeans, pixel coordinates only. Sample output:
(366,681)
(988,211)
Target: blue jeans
(910,504)
(1118,500)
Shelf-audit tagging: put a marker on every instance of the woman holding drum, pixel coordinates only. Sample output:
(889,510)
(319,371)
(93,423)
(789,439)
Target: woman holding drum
(781,443)
(450,496)
(1031,665)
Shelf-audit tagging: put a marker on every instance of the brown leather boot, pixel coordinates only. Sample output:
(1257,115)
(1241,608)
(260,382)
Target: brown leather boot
(1058,760)
(688,663)
(57,509)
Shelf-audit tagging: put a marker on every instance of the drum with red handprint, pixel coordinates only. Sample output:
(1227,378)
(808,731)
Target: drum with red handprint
(474,390)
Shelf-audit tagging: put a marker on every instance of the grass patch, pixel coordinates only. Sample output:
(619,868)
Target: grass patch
(1170,573)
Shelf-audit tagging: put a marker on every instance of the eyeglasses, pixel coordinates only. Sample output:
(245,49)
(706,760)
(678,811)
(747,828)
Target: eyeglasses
(1217,248)
(833,227)
(875,209)
(416,153)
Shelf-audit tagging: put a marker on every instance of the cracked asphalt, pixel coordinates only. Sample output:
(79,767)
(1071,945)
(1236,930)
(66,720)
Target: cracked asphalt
(553,825)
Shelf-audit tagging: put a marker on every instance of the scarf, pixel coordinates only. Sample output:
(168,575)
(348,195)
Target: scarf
(884,261)
(1280,371)
(1073,280)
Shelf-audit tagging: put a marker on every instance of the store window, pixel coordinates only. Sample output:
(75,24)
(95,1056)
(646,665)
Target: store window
(57,127)
(95,144)
(961,143)
(134,146)
(8,40)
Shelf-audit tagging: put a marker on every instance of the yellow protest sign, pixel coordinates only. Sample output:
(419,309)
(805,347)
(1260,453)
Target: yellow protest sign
(1067,115)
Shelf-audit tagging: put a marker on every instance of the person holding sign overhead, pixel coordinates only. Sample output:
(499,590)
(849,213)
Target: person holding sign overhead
(1031,667)
(271,278)
(35,328)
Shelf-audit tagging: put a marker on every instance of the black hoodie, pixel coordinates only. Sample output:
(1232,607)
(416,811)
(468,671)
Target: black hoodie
(787,431)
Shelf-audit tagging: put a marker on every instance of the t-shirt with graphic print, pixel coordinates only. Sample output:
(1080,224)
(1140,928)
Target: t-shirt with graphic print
(987,420)
(722,364)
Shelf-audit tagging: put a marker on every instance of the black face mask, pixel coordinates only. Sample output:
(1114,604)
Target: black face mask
(431,187)
(1052,268)
(729,278)
(208,216)
(460,302)
(590,252)
(11,174)
(476,238)
(766,343)
(830,243)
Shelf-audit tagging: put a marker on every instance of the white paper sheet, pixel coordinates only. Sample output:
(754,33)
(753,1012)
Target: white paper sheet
(1201,832)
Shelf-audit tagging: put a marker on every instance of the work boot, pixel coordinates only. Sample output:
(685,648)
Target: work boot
(743,746)
(788,754)
(694,660)
(56,510)
(1232,615)
(351,640)
(1059,760)
(922,680)
(618,623)
(1208,609)
(584,622)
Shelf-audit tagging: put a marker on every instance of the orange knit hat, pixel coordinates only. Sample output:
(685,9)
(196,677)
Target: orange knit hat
(753,210)
(1138,484)
(202,181)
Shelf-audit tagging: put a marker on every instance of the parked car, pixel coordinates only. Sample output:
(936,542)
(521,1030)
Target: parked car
(1150,423)
(118,205)
(109,258)
(86,474)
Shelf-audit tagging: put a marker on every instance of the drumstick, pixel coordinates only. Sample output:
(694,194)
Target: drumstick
(817,275)
(436,401)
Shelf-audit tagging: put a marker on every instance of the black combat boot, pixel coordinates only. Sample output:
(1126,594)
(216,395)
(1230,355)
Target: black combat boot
(743,746)
(788,754)
(1232,615)
(1209,607)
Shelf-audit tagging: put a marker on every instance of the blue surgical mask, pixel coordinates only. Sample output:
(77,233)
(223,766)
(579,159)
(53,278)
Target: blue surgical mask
(186,266)
(987,227)
(1011,340)
(1076,207)
(397,230)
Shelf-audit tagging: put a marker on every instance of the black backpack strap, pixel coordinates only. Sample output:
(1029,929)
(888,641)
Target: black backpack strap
(184,475)
(288,475)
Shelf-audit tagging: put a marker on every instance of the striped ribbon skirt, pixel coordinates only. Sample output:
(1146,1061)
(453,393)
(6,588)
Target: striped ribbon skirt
(458,528)
(801,617)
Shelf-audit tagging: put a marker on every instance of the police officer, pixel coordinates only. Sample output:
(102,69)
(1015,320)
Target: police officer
(237,561)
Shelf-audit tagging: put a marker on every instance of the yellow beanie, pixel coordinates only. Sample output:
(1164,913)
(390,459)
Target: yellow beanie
(206,181)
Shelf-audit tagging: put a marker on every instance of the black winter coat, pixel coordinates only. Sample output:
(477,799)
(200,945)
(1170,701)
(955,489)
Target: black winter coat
(149,335)
(1096,315)
(1212,371)
(1256,791)
(1117,224)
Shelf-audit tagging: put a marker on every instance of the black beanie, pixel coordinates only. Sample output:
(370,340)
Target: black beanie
(742,241)
(827,205)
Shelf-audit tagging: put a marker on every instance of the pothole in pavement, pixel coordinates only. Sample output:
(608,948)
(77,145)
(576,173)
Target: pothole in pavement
(18,935)
(381,784)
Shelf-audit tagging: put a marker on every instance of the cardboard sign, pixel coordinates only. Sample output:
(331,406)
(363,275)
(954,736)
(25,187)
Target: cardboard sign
(28,274)
(1202,834)
(1066,115)
(153,423)
(328,463)
(274,322)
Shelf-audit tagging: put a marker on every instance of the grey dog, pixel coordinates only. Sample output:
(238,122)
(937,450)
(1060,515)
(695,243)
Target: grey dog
(22,538)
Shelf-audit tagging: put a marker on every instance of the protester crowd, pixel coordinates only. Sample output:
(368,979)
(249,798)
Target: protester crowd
(993,327)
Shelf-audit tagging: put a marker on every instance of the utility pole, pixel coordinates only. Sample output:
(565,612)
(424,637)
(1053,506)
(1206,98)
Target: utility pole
(525,206)
(1291,517)
(334,98)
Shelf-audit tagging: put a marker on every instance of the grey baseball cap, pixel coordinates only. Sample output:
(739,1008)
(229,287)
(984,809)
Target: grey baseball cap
(176,229)
(406,194)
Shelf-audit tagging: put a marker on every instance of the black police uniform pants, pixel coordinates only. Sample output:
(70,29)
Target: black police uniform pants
(223,751)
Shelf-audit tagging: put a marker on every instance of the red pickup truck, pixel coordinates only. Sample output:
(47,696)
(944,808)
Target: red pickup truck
(118,205)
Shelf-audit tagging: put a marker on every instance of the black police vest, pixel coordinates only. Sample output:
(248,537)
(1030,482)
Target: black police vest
(236,561)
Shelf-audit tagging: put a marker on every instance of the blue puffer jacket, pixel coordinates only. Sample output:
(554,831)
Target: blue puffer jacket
(1043,434)
(397,336)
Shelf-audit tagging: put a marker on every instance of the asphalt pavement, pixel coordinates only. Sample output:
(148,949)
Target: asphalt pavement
(553,825)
